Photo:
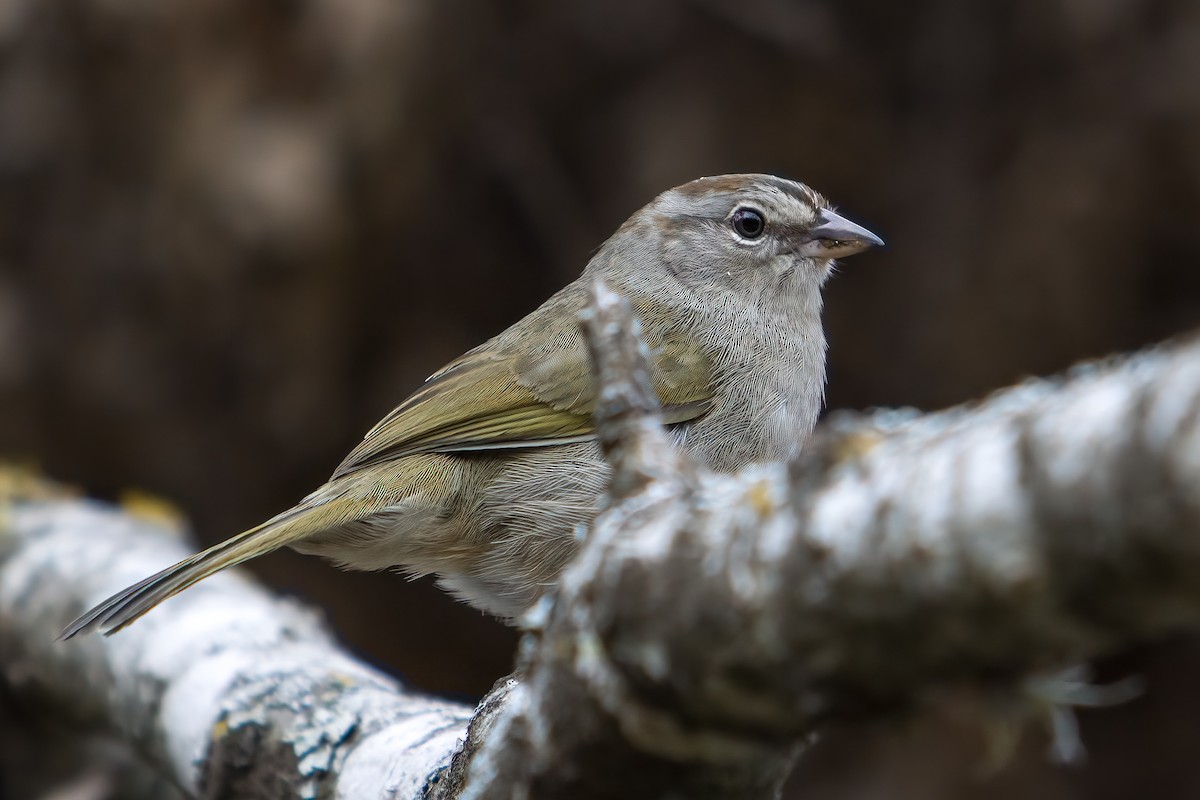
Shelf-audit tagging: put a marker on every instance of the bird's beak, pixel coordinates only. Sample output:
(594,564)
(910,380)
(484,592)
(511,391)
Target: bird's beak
(834,236)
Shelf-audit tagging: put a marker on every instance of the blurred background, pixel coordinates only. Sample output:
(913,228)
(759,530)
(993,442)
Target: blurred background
(233,235)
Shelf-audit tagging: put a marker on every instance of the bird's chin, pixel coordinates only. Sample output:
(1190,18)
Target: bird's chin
(807,266)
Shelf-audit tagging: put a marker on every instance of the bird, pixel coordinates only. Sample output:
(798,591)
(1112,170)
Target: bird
(489,473)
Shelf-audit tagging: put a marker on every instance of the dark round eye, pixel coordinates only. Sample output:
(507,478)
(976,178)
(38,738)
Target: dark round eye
(748,223)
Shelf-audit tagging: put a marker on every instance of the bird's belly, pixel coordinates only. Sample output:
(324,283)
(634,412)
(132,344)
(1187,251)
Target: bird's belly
(530,517)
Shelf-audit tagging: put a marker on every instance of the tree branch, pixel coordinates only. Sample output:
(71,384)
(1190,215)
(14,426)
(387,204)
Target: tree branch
(710,624)
(226,690)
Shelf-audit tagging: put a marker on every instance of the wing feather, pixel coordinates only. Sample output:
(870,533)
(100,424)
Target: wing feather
(508,393)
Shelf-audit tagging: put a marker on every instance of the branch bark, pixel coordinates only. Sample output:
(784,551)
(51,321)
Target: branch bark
(227,691)
(713,622)
(710,624)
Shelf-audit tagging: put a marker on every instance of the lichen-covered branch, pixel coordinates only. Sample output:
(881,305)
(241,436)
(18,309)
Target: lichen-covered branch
(225,690)
(710,624)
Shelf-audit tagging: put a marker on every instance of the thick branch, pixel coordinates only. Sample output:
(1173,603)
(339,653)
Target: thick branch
(711,622)
(226,690)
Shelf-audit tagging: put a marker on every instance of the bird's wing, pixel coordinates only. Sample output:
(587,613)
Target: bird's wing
(529,391)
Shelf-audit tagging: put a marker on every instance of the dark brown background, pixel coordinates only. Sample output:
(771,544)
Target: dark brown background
(233,235)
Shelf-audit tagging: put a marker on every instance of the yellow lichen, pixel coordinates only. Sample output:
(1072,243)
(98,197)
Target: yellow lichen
(855,446)
(760,498)
(152,508)
(220,730)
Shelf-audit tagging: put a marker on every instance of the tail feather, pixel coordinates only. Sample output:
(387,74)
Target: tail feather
(129,604)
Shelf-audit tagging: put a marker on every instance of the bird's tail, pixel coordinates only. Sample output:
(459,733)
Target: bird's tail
(127,605)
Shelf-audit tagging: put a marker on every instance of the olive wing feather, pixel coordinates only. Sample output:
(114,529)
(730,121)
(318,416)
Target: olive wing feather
(506,394)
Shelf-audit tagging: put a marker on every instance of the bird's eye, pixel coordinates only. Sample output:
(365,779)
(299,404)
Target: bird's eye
(748,223)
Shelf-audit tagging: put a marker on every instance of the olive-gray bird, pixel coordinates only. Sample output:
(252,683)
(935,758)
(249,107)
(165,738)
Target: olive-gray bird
(485,474)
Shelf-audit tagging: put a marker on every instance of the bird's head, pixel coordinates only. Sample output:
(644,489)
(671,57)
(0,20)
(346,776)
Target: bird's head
(754,232)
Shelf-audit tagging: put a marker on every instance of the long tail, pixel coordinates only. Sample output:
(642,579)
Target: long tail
(127,605)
